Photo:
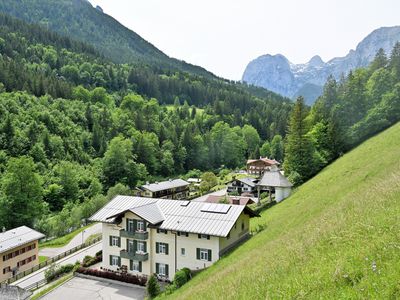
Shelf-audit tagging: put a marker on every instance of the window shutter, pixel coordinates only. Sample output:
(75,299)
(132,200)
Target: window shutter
(157,268)
(158,230)
(198,253)
(208,237)
(145,246)
(157,247)
(199,236)
(110,260)
(126,225)
(134,246)
(119,242)
(209,255)
(166,249)
(134,225)
(145,225)
(110,240)
(140,266)
(179,233)
(119,261)
(131,264)
(166,270)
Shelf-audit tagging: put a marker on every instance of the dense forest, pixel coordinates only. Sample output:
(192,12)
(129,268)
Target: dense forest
(351,110)
(76,126)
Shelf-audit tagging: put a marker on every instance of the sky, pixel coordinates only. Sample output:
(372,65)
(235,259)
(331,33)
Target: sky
(223,36)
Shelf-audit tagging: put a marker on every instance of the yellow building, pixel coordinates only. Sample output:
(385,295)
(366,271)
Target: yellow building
(18,251)
(162,236)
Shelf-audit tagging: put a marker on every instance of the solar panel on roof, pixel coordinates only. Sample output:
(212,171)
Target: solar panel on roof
(215,208)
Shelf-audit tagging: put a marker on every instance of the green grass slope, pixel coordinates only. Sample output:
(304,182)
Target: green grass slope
(336,237)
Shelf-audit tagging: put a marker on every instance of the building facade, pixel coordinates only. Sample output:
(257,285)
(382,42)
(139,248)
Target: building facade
(275,183)
(243,185)
(19,251)
(259,166)
(157,236)
(171,189)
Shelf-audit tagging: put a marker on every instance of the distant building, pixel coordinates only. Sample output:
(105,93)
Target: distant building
(275,182)
(170,189)
(10,292)
(234,200)
(194,183)
(259,166)
(18,251)
(242,185)
(147,236)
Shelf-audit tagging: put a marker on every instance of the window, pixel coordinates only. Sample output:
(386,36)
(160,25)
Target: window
(162,269)
(115,241)
(203,254)
(183,251)
(162,248)
(6,270)
(242,225)
(140,226)
(204,236)
(115,260)
(136,266)
(130,225)
(162,231)
(130,245)
(140,247)
(182,233)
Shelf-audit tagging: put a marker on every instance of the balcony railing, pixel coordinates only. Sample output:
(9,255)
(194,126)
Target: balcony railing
(134,255)
(137,235)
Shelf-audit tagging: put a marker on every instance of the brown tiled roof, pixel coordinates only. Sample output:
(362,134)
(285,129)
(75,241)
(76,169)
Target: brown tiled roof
(264,159)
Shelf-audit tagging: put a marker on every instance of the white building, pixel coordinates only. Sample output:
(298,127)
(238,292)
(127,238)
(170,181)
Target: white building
(242,185)
(275,182)
(161,236)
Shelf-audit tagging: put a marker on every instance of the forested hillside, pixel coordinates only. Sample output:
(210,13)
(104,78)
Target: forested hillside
(349,111)
(74,125)
(78,19)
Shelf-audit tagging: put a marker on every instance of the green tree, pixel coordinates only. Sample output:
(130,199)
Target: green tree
(208,181)
(265,150)
(252,140)
(299,151)
(153,287)
(22,193)
(277,148)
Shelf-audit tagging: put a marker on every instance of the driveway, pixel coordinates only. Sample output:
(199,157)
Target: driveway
(204,197)
(76,241)
(71,259)
(84,289)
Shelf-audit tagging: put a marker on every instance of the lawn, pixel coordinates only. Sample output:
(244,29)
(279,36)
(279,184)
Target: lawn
(336,237)
(63,240)
(42,259)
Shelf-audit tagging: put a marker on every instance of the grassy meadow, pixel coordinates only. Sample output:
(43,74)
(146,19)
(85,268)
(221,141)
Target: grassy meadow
(336,237)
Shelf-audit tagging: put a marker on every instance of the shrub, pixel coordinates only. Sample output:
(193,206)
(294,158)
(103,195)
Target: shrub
(128,278)
(90,260)
(99,253)
(55,271)
(153,287)
(188,273)
(180,278)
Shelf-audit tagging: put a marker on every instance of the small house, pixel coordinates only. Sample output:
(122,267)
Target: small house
(170,189)
(275,182)
(259,166)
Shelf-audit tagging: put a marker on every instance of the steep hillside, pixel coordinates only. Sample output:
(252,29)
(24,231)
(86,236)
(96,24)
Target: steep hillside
(278,74)
(80,20)
(336,237)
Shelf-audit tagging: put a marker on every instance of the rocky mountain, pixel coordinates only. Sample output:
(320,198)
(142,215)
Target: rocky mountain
(278,74)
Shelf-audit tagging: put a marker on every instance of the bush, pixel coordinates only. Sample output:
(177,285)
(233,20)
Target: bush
(99,253)
(180,278)
(55,271)
(90,260)
(153,287)
(128,278)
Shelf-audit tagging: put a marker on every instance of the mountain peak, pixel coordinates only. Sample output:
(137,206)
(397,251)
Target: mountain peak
(316,61)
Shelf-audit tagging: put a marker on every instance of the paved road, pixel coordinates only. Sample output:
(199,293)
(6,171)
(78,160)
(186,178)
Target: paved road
(71,259)
(204,197)
(76,241)
(84,289)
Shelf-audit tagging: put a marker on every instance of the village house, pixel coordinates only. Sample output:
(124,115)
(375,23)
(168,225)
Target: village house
(170,189)
(276,183)
(157,236)
(259,166)
(18,251)
(242,185)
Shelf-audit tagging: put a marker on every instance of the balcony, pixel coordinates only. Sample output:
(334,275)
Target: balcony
(137,235)
(134,255)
